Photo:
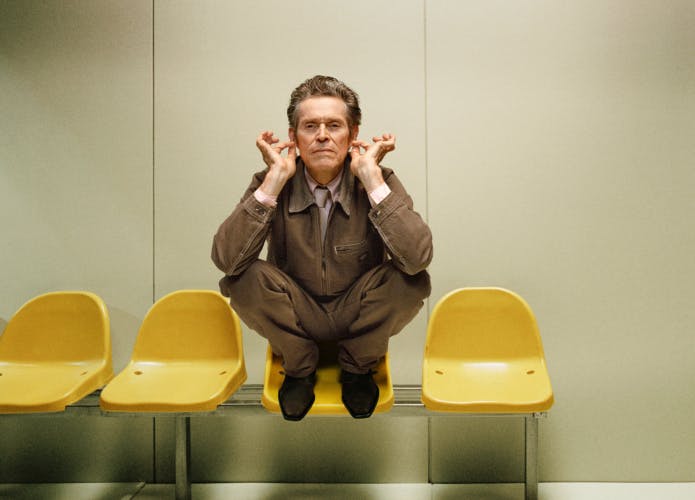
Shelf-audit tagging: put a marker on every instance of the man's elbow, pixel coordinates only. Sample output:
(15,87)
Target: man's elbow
(219,258)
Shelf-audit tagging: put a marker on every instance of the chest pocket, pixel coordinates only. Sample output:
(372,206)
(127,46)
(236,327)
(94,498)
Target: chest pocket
(352,251)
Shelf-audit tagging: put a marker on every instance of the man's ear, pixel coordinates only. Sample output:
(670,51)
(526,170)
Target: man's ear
(354,132)
(293,136)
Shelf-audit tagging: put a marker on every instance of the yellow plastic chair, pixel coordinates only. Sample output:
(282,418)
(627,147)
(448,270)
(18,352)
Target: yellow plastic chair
(55,350)
(484,354)
(188,357)
(328,388)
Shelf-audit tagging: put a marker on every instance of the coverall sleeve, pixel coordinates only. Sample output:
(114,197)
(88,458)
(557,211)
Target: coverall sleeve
(405,234)
(240,238)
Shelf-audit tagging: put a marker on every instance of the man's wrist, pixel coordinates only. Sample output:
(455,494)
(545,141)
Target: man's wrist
(371,179)
(274,182)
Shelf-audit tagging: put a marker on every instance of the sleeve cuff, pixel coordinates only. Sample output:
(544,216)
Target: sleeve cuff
(378,195)
(265,199)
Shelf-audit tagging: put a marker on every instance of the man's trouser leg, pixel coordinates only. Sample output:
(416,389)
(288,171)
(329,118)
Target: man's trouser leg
(273,305)
(378,305)
(375,308)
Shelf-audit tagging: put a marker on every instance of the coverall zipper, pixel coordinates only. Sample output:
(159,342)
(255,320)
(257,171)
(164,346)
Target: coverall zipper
(324,284)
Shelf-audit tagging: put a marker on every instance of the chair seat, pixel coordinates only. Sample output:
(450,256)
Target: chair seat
(521,386)
(172,386)
(484,354)
(49,386)
(55,350)
(328,389)
(188,357)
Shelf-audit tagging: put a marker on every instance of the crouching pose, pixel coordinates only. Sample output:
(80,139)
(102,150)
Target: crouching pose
(346,251)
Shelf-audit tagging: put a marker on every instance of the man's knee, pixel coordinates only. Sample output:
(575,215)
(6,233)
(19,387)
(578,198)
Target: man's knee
(408,287)
(391,293)
(252,293)
(419,284)
(259,275)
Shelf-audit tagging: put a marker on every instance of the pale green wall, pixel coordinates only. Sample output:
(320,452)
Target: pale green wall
(76,156)
(549,144)
(561,139)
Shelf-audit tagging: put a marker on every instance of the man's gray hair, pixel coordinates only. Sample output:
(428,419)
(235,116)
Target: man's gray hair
(324,86)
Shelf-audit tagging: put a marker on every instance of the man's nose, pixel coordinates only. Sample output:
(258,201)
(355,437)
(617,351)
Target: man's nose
(322,132)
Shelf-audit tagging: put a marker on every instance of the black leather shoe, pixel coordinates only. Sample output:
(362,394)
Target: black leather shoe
(360,393)
(296,395)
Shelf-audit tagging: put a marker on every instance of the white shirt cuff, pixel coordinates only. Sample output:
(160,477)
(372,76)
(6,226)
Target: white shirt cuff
(378,195)
(265,199)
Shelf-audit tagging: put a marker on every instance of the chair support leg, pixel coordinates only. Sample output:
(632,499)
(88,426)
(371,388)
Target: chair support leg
(531,443)
(183,458)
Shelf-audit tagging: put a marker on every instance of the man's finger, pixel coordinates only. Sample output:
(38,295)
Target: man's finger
(282,145)
(265,137)
(292,150)
(359,145)
(268,136)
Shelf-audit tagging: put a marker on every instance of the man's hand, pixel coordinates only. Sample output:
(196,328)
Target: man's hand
(365,166)
(281,168)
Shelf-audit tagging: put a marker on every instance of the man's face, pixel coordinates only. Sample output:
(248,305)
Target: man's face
(323,136)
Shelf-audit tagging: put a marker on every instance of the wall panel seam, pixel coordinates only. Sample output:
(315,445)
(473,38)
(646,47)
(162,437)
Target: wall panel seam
(426,127)
(154,158)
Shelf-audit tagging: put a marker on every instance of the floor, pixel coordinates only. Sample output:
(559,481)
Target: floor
(273,491)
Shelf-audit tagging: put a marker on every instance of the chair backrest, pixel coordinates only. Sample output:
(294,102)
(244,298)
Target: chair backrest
(189,325)
(483,325)
(68,326)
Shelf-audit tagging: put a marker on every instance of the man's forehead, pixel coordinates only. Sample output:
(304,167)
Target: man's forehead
(322,107)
